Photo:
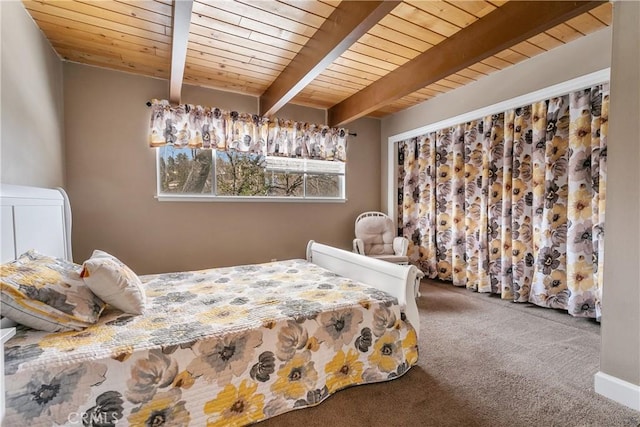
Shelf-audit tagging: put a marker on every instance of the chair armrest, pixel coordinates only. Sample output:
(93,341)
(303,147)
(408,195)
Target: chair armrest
(358,246)
(400,245)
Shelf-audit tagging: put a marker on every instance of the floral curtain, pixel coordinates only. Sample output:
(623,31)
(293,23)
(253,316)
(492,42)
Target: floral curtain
(513,203)
(196,126)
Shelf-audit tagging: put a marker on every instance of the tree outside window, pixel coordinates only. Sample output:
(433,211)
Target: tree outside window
(187,171)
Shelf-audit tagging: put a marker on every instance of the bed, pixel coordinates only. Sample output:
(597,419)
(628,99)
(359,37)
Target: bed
(223,346)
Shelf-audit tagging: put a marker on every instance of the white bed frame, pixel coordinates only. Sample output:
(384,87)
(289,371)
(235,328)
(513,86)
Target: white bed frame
(40,218)
(401,281)
(34,218)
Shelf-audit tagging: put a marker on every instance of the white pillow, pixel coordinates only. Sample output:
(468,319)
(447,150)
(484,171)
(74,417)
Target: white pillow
(114,282)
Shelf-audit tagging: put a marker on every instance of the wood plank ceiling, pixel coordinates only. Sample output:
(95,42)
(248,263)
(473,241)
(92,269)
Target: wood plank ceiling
(308,51)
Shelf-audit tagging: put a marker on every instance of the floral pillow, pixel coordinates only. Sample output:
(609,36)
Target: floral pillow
(114,282)
(47,293)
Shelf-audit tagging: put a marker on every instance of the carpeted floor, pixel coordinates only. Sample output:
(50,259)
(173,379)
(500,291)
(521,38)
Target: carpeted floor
(483,362)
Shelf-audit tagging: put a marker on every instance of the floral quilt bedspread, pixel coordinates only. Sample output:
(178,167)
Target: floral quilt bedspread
(227,346)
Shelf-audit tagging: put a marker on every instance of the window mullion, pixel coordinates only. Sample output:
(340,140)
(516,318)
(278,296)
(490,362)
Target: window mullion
(214,172)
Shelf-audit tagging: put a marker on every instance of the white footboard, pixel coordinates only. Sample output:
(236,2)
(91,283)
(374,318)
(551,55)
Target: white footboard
(401,281)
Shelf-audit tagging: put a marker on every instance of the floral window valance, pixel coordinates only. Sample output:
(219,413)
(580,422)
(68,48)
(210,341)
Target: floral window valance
(195,126)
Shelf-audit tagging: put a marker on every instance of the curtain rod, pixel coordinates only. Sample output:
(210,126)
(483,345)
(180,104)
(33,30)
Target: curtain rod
(148,104)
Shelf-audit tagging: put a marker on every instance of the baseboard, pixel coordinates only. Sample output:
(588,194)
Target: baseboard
(618,390)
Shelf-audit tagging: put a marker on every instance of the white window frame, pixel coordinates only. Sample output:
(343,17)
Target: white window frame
(304,166)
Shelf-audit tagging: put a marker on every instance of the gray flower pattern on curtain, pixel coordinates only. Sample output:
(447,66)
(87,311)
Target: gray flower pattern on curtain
(513,203)
(195,126)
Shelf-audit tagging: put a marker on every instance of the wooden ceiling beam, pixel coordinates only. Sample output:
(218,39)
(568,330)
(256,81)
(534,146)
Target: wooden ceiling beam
(506,26)
(181,23)
(348,22)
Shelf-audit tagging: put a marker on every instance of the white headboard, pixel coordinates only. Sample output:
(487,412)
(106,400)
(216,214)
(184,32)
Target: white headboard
(34,218)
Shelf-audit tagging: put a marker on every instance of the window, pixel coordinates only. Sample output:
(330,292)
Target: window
(192,173)
(205,153)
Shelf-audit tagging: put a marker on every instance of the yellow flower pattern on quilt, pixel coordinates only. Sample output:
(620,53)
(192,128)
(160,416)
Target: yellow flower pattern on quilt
(344,370)
(222,347)
(235,406)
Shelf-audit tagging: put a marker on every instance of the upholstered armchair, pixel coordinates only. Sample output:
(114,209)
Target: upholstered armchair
(376,238)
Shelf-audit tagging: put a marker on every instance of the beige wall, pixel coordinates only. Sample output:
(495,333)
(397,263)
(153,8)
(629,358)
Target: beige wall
(620,354)
(111,184)
(31,119)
